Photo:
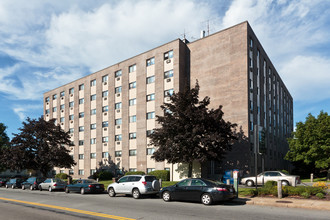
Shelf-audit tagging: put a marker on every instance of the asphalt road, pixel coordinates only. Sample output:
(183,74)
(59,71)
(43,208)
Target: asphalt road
(19,204)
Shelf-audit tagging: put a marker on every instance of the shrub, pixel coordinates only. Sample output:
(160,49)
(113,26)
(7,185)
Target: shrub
(295,191)
(270,184)
(306,195)
(321,184)
(161,174)
(62,176)
(135,173)
(105,175)
(247,192)
(313,190)
(320,195)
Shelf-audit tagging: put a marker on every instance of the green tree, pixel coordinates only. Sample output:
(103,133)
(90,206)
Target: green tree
(4,141)
(40,145)
(310,143)
(190,131)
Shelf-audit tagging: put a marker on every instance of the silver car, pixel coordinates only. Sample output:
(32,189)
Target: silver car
(52,184)
(274,176)
(135,185)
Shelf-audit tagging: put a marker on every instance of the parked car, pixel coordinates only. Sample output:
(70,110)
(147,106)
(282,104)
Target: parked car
(32,183)
(85,186)
(199,190)
(3,182)
(14,183)
(135,185)
(272,175)
(52,184)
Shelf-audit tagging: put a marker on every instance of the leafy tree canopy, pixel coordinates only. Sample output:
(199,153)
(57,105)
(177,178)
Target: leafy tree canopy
(4,141)
(310,143)
(190,131)
(40,145)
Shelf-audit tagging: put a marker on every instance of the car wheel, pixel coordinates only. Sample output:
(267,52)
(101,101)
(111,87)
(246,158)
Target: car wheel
(249,183)
(82,191)
(50,189)
(31,187)
(12,186)
(285,183)
(206,199)
(166,196)
(67,190)
(6,186)
(40,188)
(23,187)
(136,194)
(112,192)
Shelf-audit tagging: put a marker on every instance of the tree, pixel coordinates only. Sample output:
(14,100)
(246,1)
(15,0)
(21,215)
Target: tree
(190,131)
(310,143)
(39,146)
(4,141)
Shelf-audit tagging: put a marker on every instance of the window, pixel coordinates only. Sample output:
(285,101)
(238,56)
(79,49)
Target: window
(168,74)
(105,154)
(93,111)
(47,99)
(150,170)
(93,126)
(118,105)
(81,87)
(132,68)
(93,140)
(132,169)
(81,143)
(93,97)
(93,155)
(118,73)
(71,130)
(132,152)
(118,89)
(105,93)
(54,109)
(168,92)
(81,128)
(62,107)
(81,156)
(151,97)
(132,118)
(105,78)
(93,82)
(81,172)
(150,115)
(71,172)
(132,85)
(118,121)
(93,171)
(118,153)
(168,55)
(132,102)
(62,119)
(71,104)
(61,171)
(168,169)
(105,139)
(105,124)
(151,61)
(81,114)
(150,79)
(118,137)
(62,93)
(149,132)
(71,91)
(47,111)
(105,108)
(195,182)
(54,96)
(150,151)
(81,101)
(71,117)
(132,135)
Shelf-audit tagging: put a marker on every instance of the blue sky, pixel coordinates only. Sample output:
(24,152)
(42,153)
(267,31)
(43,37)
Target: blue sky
(45,43)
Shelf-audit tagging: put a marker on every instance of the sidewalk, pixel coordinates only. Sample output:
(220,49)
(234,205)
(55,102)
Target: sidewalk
(287,202)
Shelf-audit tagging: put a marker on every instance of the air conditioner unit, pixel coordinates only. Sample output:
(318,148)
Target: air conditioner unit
(47,103)
(118,142)
(47,115)
(118,94)
(105,144)
(105,113)
(71,95)
(71,135)
(62,98)
(104,83)
(118,110)
(168,80)
(62,123)
(62,110)
(105,99)
(118,78)
(71,122)
(105,129)
(71,108)
(118,126)
(168,61)
(168,99)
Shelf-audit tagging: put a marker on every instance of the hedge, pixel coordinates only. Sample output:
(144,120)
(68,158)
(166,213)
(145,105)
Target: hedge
(161,174)
(62,176)
(103,175)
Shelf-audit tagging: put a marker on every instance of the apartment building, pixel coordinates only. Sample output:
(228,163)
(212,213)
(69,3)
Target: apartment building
(110,113)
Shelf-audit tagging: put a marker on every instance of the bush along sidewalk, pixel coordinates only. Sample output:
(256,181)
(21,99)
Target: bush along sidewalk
(270,189)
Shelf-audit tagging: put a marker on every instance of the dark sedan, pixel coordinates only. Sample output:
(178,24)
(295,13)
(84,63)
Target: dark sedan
(198,189)
(85,186)
(14,183)
(2,182)
(32,183)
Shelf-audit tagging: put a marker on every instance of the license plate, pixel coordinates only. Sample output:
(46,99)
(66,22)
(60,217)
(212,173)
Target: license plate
(97,186)
(231,190)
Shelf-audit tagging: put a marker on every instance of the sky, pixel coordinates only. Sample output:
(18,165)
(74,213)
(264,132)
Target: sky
(45,44)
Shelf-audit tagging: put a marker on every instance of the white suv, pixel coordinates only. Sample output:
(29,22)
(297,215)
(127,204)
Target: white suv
(135,185)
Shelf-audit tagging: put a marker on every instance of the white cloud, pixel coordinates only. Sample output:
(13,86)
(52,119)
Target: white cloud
(23,111)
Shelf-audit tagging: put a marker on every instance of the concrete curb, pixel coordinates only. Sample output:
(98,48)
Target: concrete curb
(288,203)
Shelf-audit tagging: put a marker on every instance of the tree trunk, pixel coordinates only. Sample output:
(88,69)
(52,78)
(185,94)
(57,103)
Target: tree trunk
(190,164)
(328,175)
